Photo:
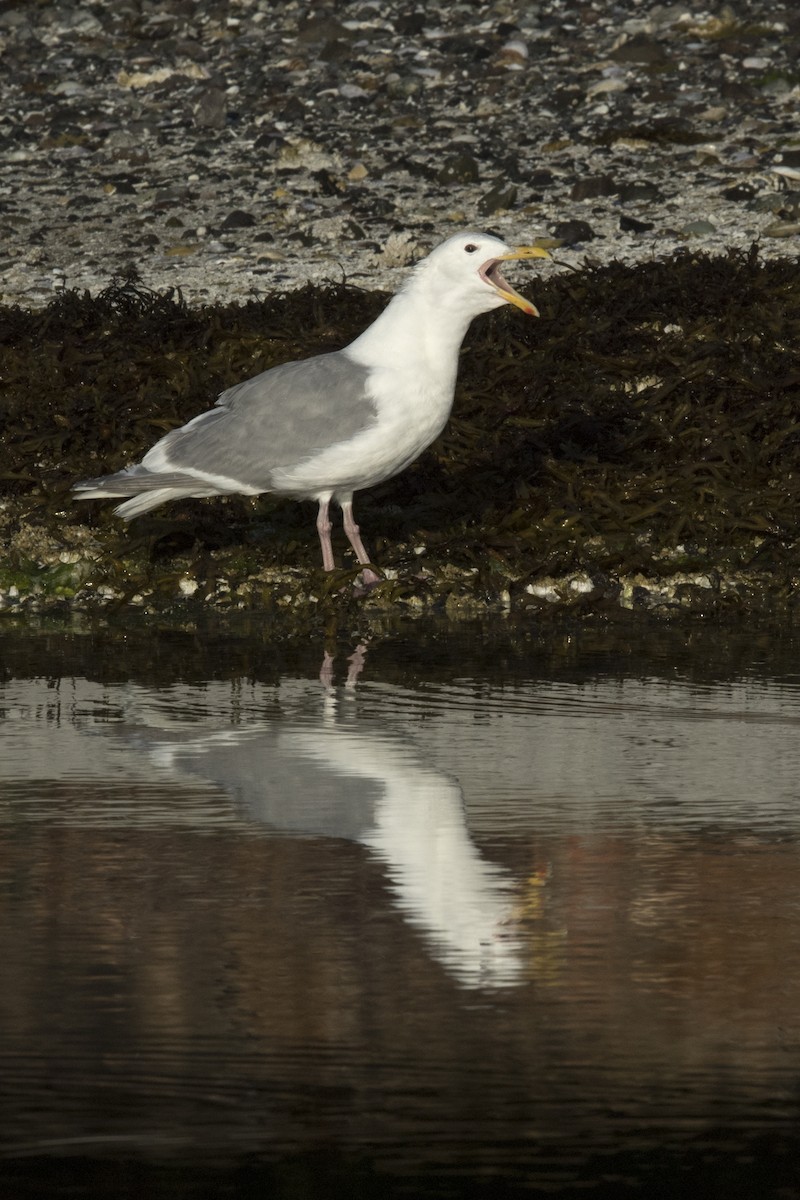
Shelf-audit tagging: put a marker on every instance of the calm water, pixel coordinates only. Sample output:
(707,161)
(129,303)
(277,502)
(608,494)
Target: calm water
(453,914)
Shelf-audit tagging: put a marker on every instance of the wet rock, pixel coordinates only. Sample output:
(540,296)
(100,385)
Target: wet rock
(541,178)
(511,170)
(639,192)
(606,87)
(640,49)
(699,228)
(410,24)
(210,109)
(329,185)
(571,95)
(739,192)
(512,56)
(293,110)
(776,202)
(564,99)
(785,176)
(318,29)
(238,219)
(782,229)
(337,50)
(573,232)
(631,225)
(458,168)
(592,187)
(499,198)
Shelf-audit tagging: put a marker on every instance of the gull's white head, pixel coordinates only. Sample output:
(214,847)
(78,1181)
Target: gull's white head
(465,272)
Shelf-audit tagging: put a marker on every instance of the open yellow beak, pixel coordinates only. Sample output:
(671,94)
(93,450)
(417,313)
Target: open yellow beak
(492,275)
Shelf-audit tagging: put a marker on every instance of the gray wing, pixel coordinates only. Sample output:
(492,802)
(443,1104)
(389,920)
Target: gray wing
(276,419)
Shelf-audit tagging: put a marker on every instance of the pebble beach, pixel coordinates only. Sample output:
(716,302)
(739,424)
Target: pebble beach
(232,149)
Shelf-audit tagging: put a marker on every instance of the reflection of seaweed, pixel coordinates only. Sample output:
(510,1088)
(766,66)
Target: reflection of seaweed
(649,422)
(546,945)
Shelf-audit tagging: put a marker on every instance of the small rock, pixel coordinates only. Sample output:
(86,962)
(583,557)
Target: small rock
(458,168)
(592,187)
(351,91)
(238,219)
(713,114)
(739,192)
(329,185)
(572,232)
(511,170)
(787,173)
(69,87)
(120,187)
(294,110)
(606,87)
(141,79)
(642,190)
(631,225)
(410,24)
(513,56)
(399,250)
(631,143)
(781,229)
(498,199)
(319,28)
(699,228)
(772,202)
(640,49)
(211,111)
(581,584)
(545,589)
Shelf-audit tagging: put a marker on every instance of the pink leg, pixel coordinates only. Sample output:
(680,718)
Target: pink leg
(324,531)
(326,671)
(356,661)
(354,538)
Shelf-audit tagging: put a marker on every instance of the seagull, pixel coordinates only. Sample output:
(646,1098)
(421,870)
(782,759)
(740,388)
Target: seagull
(322,428)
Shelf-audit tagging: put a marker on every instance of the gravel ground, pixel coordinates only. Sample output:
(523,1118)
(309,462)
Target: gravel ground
(231,149)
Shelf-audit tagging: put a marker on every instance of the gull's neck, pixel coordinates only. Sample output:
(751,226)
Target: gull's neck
(416,329)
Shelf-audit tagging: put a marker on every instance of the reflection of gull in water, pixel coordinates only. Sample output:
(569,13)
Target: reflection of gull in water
(337,777)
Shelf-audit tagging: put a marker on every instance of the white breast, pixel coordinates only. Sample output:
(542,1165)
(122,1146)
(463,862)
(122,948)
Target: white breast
(412,410)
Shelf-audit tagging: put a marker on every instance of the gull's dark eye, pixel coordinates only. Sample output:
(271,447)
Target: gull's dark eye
(470,248)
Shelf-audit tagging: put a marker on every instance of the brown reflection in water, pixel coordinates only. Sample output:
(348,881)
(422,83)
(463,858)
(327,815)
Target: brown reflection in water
(686,944)
(236,989)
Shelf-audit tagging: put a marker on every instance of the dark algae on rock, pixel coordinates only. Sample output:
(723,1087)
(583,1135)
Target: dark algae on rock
(636,448)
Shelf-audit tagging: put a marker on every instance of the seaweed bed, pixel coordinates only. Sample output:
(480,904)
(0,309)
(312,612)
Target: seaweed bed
(637,448)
